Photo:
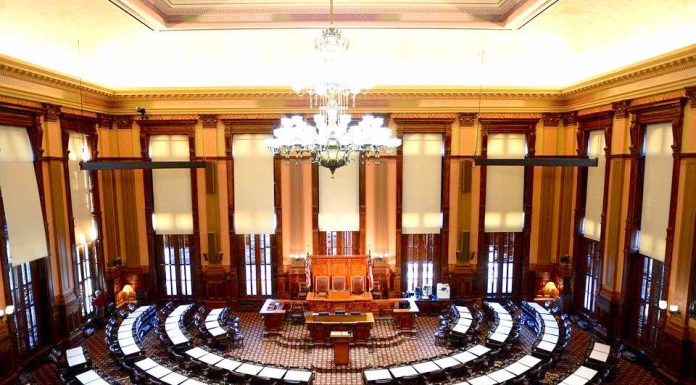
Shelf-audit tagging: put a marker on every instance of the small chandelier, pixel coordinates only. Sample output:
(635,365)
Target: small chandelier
(331,143)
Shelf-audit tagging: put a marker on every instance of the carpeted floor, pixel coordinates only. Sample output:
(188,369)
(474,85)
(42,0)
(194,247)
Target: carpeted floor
(291,348)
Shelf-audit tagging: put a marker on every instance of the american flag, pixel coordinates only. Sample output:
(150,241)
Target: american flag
(308,271)
(370,278)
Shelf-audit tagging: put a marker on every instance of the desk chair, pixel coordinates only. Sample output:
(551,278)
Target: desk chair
(303,290)
(377,291)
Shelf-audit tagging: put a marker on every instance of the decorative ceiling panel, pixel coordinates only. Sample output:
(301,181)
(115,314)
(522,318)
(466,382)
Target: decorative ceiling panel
(222,14)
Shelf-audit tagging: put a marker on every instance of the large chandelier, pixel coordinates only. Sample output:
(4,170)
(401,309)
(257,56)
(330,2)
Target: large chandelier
(332,142)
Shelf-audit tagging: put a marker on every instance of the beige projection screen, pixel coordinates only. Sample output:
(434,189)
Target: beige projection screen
(254,204)
(339,204)
(594,197)
(505,184)
(657,190)
(20,195)
(422,184)
(80,197)
(171,187)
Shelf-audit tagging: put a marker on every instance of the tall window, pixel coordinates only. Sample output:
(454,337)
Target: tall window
(175,250)
(500,266)
(420,251)
(593,262)
(87,271)
(257,264)
(651,292)
(341,242)
(20,284)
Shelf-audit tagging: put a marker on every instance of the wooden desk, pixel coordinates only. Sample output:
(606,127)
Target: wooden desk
(405,318)
(321,326)
(273,314)
(339,300)
(341,346)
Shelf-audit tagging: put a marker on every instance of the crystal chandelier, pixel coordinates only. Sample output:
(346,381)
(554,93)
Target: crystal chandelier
(331,142)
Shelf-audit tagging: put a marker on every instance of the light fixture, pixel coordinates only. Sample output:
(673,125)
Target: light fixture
(127,289)
(550,289)
(7,311)
(331,142)
(662,304)
(674,309)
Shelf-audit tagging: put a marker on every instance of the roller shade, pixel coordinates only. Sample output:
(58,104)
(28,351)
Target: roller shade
(254,205)
(505,185)
(657,190)
(20,196)
(422,184)
(595,186)
(339,199)
(171,187)
(80,196)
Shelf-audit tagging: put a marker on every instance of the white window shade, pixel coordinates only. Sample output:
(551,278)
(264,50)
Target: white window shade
(339,205)
(171,187)
(20,195)
(422,184)
(254,204)
(80,196)
(595,186)
(505,184)
(657,187)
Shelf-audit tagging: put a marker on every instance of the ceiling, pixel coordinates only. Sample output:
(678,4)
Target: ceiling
(210,14)
(568,42)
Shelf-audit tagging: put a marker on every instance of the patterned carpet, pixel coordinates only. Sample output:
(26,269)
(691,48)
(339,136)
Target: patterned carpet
(290,348)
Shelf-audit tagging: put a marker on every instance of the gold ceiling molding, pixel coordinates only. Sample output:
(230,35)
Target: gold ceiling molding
(671,62)
(509,116)
(77,112)
(424,116)
(595,110)
(20,102)
(242,117)
(658,98)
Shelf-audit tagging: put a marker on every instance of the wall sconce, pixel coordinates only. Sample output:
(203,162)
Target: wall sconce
(662,305)
(674,309)
(7,311)
(550,290)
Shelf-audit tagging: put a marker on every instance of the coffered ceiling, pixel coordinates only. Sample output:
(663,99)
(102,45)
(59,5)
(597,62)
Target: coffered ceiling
(224,14)
(533,44)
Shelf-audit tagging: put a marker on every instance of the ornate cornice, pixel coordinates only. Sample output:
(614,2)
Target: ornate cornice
(51,112)
(691,94)
(209,121)
(509,116)
(104,121)
(621,109)
(595,110)
(123,121)
(467,119)
(551,120)
(570,118)
(652,99)
(20,102)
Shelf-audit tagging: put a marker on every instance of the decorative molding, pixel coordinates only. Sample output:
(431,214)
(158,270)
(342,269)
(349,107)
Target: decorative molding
(664,97)
(621,109)
(570,118)
(425,116)
(511,116)
(551,119)
(105,121)
(51,112)
(123,121)
(209,121)
(20,102)
(77,112)
(595,110)
(691,94)
(243,117)
(467,119)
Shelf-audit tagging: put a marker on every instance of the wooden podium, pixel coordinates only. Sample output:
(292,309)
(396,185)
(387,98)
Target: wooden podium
(341,346)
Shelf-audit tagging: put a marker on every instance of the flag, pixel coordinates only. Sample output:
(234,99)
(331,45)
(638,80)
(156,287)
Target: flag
(308,271)
(370,278)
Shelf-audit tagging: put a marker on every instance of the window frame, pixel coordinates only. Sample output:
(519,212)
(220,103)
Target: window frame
(257,258)
(177,274)
(420,256)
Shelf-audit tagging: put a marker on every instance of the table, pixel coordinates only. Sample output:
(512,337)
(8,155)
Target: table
(196,352)
(403,371)
(501,375)
(464,357)
(249,369)
(426,367)
(158,371)
(341,346)
(517,368)
(146,364)
(586,372)
(479,350)
(210,358)
(529,361)
(321,326)
(274,373)
(273,314)
(298,375)
(228,364)
(377,374)
(446,362)
(173,378)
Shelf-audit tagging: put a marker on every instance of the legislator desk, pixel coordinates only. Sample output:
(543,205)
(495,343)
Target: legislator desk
(339,300)
(321,325)
(273,314)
